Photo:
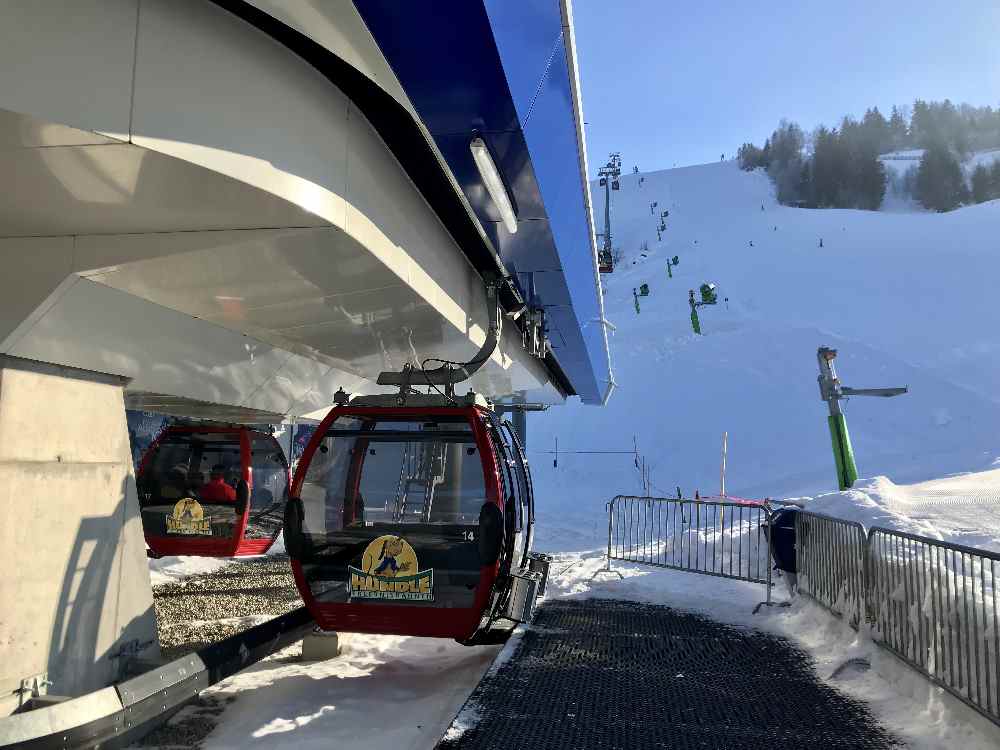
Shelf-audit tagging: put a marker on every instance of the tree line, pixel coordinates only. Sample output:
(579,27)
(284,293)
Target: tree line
(840,167)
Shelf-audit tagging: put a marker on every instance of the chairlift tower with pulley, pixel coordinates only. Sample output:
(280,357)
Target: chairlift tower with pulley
(608,175)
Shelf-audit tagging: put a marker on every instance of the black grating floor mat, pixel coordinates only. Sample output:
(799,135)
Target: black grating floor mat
(617,675)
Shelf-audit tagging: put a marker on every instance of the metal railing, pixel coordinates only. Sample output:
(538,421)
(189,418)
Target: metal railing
(713,537)
(830,557)
(934,604)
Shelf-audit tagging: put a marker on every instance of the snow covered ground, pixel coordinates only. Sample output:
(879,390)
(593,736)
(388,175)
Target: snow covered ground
(907,298)
(964,509)
(382,693)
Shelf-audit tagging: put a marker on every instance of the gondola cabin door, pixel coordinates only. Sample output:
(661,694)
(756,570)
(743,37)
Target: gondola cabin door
(522,493)
(212,491)
(404,519)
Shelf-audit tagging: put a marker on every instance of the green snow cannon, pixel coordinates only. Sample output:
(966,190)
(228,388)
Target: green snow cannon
(708,295)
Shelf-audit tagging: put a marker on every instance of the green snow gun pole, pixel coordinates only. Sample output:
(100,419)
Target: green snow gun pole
(643,292)
(843,452)
(831,391)
(708,297)
(671,262)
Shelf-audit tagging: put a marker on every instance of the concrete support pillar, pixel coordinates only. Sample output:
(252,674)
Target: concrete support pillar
(75,597)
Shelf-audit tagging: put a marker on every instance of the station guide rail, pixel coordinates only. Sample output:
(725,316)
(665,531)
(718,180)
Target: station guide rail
(123,713)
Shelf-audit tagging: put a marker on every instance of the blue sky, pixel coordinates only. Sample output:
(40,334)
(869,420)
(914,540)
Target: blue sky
(672,83)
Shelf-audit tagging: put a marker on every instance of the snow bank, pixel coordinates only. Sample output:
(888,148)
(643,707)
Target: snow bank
(963,509)
(984,158)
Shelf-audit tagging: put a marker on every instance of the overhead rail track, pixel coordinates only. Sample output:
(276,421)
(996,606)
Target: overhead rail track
(123,713)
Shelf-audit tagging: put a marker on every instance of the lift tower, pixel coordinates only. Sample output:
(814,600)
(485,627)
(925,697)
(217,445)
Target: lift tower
(609,175)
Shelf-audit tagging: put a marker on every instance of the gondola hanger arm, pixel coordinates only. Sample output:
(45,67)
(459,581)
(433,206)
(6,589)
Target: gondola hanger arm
(450,373)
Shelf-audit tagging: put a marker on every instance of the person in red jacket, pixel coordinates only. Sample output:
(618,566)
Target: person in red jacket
(215,490)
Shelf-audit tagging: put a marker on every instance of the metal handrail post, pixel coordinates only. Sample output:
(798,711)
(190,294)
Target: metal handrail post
(867,604)
(607,560)
(610,508)
(770,553)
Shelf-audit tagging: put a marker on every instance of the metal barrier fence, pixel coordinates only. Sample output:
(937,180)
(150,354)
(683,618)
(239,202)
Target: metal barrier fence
(830,557)
(934,604)
(717,538)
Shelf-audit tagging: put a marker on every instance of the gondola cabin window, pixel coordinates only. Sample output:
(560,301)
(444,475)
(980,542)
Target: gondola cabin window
(374,471)
(269,487)
(202,467)
(217,491)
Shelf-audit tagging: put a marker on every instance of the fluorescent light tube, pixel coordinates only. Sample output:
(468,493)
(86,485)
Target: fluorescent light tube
(494,185)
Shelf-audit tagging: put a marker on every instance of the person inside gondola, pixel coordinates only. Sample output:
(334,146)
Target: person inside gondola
(216,490)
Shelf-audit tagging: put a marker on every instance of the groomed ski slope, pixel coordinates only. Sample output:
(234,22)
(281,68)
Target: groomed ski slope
(905,297)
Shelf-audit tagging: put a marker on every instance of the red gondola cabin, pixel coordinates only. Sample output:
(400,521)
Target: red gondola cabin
(414,520)
(212,491)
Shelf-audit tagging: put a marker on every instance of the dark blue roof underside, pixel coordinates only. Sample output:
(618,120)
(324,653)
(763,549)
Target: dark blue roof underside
(498,69)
